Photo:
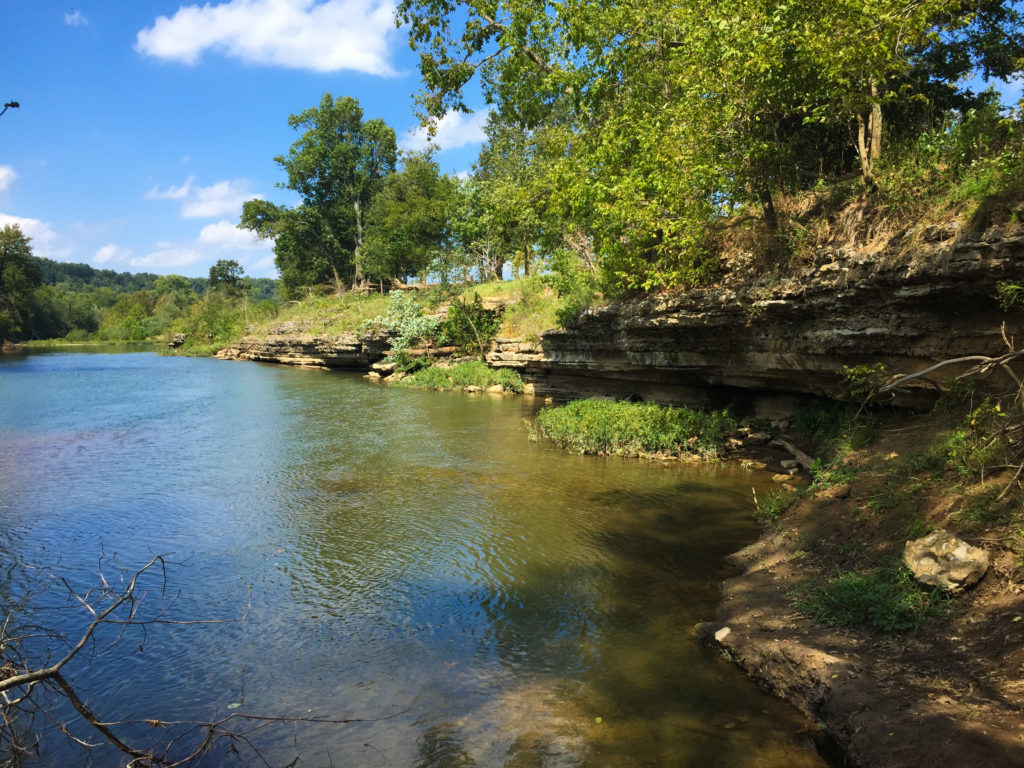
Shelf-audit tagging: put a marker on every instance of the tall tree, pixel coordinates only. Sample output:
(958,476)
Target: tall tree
(226,274)
(20,275)
(409,221)
(337,165)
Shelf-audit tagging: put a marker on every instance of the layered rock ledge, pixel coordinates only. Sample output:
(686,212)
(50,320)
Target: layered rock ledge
(928,295)
(292,344)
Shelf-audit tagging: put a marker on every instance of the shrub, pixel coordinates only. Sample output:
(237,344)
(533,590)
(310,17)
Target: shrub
(405,319)
(634,429)
(777,501)
(887,601)
(470,326)
(980,441)
(464,375)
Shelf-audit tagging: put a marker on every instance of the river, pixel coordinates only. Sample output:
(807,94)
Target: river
(407,559)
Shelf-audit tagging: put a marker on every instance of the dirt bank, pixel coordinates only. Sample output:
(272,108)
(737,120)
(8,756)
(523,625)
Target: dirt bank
(950,693)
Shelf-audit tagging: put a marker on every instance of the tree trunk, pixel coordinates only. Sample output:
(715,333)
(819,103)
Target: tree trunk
(337,279)
(526,258)
(869,137)
(771,219)
(357,255)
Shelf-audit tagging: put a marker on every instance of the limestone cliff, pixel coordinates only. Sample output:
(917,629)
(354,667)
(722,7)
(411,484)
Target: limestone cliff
(928,295)
(293,344)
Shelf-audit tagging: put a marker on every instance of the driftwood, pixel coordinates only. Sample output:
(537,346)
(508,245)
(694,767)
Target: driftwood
(984,365)
(802,458)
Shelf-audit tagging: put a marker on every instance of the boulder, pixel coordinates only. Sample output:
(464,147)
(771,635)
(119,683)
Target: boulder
(177,340)
(942,560)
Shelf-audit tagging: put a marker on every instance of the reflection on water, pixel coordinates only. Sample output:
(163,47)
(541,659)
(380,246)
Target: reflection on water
(407,555)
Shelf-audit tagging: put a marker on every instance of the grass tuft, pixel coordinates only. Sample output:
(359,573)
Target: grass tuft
(474,373)
(634,429)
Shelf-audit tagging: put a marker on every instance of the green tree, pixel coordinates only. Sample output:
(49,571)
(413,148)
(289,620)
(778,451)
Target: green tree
(20,275)
(337,165)
(227,275)
(408,222)
(672,114)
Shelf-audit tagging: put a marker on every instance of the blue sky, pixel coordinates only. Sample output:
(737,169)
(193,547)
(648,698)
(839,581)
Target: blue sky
(144,125)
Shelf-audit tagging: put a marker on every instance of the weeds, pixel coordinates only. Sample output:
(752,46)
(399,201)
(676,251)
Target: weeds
(776,502)
(634,429)
(462,376)
(887,600)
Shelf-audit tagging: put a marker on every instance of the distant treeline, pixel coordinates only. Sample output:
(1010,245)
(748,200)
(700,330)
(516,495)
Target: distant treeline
(82,277)
(45,299)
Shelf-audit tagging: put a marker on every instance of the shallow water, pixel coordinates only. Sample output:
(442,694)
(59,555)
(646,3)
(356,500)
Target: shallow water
(405,557)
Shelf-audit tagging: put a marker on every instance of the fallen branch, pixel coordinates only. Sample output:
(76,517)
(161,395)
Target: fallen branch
(802,458)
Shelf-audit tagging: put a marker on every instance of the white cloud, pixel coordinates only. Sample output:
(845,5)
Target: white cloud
(224,234)
(224,198)
(325,36)
(111,252)
(7,177)
(76,19)
(463,175)
(171,193)
(167,256)
(45,242)
(454,130)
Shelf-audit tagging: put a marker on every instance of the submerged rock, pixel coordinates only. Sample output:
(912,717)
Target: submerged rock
(942,560)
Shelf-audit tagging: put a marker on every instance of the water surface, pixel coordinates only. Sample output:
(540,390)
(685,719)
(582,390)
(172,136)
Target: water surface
(408,558)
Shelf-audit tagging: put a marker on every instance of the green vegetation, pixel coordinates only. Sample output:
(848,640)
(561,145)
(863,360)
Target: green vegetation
(630,136)
(777,501)
(883,600)
(469,326)
(473,373)
(634,429)
(44,299)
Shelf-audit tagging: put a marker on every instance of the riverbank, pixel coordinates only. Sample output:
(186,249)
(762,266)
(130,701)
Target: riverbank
(778,346)
(895,679)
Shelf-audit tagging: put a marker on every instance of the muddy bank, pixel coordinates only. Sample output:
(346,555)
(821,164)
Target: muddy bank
(950,694)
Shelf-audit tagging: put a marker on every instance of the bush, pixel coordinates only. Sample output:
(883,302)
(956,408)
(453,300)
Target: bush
(777,501)
(405,319)
(887,601)
(470,326)
(980,442)
(474,373)
(634,429)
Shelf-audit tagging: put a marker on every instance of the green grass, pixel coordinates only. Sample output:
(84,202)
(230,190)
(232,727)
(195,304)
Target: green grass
(461,376)
(777,501)
(634,429)
(328,314)
(531,305)
(888,601)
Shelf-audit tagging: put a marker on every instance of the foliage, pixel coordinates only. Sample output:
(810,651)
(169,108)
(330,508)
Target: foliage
(863,381)
(775,503)
(887,601)
(227,275)
(980,442)
(971,159)
(1009,294)
(646,124)
(409,221)
(212,324)
(575,281)
(405,320)
(19,277)
(337,165)
(634,429)
(532,308)
(470,326)
(473,373)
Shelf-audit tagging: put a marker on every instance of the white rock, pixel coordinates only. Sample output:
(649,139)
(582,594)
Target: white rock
(942,560)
